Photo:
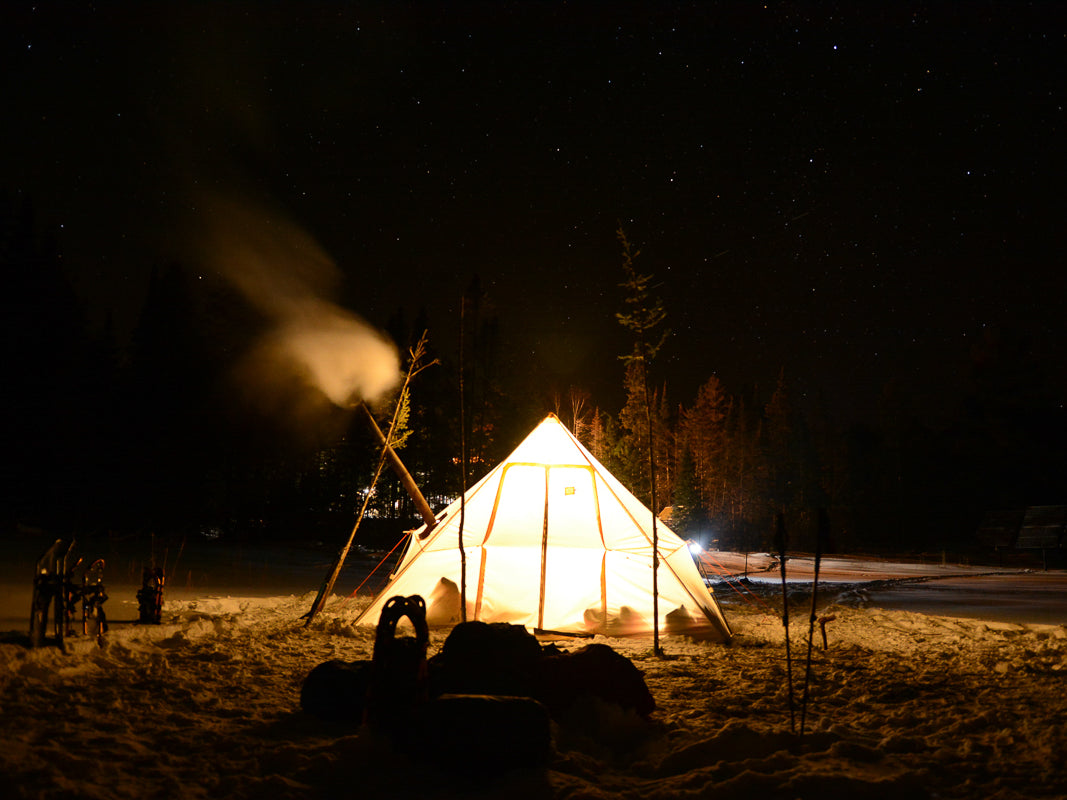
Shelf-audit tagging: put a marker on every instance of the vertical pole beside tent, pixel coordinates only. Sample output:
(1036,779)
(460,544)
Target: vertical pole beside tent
(463,469)
(544,560)
(652,508)
(655,574)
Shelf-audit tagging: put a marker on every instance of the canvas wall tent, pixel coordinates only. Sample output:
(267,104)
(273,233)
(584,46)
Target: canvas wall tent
(554,542)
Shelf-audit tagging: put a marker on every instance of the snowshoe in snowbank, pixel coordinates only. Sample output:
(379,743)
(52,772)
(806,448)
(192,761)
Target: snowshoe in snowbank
(93,596)
(50,589)
(71,591)
(150,596)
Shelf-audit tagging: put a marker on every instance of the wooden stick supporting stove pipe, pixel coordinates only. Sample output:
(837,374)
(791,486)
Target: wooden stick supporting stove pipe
(402,473)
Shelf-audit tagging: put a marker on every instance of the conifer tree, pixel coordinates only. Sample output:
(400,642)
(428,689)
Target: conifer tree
(704,429)
(778,450)
(689,515)
(643,317)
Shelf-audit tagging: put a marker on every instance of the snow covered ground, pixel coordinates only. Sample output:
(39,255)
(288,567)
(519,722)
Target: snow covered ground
(902,702)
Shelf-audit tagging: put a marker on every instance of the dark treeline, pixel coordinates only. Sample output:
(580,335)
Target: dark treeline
(164,430)
(158,434)
(731,461)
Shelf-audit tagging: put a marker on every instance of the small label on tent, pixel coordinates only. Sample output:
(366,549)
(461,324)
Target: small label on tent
(569,490)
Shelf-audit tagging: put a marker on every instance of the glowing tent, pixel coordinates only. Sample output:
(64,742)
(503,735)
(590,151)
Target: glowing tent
(554,542)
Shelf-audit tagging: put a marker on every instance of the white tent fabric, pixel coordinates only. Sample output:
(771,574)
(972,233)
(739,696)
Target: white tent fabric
(554,542)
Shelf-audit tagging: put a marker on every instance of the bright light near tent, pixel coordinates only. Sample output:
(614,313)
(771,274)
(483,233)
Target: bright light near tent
(695,548)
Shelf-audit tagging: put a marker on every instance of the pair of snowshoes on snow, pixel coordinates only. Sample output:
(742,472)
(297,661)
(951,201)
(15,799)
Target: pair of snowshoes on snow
(56,589)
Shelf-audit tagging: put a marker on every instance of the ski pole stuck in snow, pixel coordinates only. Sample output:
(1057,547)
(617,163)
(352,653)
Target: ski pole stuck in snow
(824,525)
(779,540)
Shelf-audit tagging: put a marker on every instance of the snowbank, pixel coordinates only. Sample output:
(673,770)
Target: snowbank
(207,705)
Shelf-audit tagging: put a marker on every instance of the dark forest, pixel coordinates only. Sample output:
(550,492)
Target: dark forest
(156,434)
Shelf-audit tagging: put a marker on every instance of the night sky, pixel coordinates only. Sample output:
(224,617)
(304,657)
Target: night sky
(856,195)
